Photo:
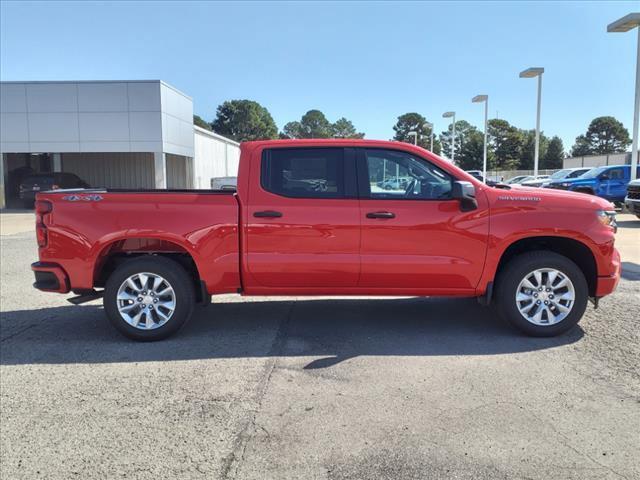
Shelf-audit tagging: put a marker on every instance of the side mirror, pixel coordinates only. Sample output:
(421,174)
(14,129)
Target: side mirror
(466,193)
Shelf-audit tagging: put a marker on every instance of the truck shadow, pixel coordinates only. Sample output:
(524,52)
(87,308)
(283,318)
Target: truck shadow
(628,223)
(333,329)
(630,271)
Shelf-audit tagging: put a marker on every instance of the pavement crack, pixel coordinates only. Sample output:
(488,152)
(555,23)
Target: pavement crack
(232,461)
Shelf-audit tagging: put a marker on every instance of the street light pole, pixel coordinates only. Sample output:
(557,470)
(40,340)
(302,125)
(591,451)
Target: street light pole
(530,73)
(452,115)
(636,112)
(625,24)
(485,99)
(453,139)
(430,125)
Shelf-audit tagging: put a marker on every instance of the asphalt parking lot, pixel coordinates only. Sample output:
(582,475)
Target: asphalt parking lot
(293,388)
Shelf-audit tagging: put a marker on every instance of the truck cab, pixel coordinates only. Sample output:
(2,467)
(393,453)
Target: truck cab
(608,182)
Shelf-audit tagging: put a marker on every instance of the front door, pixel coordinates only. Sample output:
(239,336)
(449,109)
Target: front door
(303,220)
(614,185)
(414,236)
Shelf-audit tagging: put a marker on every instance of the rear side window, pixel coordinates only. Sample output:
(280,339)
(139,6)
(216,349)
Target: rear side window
(304,172)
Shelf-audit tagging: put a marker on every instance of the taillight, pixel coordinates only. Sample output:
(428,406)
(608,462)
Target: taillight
(43,208)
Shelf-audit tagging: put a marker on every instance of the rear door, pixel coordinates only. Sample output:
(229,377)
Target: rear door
(303,220)
(414,236)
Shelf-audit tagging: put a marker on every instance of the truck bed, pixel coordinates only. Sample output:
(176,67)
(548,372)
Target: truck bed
(88,225)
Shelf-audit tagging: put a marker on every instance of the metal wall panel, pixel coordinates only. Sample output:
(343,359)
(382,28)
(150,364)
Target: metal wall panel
(179,171)
(101,116)
(215,156)
(112,170)
(598,160)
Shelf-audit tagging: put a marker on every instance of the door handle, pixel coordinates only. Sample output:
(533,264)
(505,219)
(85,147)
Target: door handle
(381,215)
(267,214)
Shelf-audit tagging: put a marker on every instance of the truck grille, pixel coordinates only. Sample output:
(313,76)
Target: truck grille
(634,192)
(557,187)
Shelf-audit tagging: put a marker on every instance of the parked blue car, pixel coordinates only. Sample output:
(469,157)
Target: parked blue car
(608,182)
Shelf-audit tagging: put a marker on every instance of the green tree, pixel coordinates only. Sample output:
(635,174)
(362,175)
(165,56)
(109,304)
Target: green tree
(292,130)
(505,142)
(463,130)
(314,124)
(414,122)
(554,157)
(581,147)
(471,154)
(199,122)
(604,135)
(528,149)
(343,128)
(244,120)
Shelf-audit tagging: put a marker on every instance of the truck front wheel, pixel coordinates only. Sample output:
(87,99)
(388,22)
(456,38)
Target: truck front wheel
(541,293)
(149,298)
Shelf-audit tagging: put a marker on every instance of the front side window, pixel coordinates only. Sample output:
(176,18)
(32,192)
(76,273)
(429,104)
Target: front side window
(400,175)
(616,174)
(304,172)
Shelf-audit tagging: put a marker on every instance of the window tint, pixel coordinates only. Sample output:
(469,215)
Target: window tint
(400,175)
(616,174)
(304,172)
(577,173)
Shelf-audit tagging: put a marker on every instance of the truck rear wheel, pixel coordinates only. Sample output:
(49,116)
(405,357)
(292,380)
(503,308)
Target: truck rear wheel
(149,298)
(541,293)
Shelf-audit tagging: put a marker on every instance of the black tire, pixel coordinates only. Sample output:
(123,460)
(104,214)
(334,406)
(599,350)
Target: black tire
(175,275)
(514,272)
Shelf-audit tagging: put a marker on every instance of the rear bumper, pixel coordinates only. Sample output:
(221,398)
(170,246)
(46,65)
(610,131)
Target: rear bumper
(50,277)
(608,284)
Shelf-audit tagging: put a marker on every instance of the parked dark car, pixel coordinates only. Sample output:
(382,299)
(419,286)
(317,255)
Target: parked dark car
(544,180)
(478,175)
(41,182)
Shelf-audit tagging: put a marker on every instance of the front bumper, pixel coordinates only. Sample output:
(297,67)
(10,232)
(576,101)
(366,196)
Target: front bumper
(50,277)
(633,205)
(607,284)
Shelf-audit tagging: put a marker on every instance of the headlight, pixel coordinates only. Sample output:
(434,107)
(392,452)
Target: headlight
(608,218)
(565,184)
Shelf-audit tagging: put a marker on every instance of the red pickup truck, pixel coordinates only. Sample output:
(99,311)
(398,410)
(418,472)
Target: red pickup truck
(329,217)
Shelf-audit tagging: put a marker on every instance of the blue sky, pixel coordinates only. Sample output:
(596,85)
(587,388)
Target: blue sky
(367,61)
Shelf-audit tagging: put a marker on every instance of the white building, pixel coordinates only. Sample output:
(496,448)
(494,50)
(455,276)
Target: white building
(115,134)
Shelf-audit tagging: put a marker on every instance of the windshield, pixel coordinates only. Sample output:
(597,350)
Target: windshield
(594,172)
(577,173)
(560,174)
